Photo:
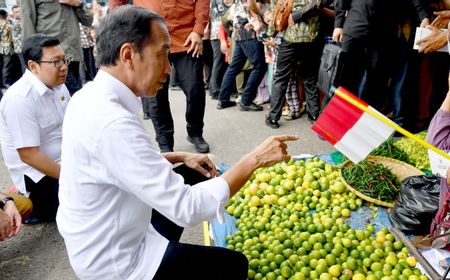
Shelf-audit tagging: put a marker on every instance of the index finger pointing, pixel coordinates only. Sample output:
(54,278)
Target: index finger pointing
(284,138)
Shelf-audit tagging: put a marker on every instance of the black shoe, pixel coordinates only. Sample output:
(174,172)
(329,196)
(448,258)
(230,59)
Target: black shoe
(199,143)
(311,118)
(165,149)
(251,107)
(32,220)
(273,124)
(215,96)
(225,104)
(175,88)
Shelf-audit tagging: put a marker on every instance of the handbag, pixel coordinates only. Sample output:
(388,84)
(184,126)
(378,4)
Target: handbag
(330,68)
(281,14)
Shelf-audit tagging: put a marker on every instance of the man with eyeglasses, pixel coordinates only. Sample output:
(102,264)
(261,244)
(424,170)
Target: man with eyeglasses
(31,116)
(60,19)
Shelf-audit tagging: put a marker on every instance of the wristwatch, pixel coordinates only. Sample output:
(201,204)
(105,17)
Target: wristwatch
(5,200)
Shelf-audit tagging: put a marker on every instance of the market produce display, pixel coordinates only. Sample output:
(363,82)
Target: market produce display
(390,150)
(291,221)
(417,154)
(372,179)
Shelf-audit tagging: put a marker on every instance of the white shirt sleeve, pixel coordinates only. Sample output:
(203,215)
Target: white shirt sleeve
(22,122)
(136,167)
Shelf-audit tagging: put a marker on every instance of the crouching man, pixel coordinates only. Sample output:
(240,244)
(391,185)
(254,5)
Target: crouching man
(123,207)
(31,115)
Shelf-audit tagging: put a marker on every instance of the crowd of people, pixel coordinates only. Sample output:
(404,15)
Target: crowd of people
(123,207)
(248,55)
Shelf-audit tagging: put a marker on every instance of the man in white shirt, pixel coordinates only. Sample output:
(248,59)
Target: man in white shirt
(31,115)
(115,182)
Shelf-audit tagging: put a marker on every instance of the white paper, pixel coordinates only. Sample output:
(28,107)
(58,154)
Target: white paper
(421,33)
(433,256)
(439,165)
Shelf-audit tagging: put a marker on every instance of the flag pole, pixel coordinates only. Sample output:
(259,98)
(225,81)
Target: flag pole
(390,123)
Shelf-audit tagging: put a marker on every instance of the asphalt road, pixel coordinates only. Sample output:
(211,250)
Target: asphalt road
(38,252)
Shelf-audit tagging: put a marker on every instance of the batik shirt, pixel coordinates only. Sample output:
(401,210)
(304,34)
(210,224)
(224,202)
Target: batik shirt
(17,36)
(6,44)
(303,31)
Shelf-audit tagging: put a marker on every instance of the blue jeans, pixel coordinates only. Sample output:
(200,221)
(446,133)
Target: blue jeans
(254,51)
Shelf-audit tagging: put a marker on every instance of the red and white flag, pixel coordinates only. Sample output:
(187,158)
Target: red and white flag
(352,131)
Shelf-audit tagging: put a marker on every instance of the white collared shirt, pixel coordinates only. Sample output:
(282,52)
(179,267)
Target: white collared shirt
(111,178)
(31,115)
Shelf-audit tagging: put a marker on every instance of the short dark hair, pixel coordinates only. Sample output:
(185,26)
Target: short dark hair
(14,7)
(126,24)
(3,13)
(32,46)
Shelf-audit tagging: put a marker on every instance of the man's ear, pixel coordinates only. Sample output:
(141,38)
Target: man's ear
(127,54)
(32,66)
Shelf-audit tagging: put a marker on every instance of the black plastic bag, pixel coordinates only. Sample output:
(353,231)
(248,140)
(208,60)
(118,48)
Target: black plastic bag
(417,204)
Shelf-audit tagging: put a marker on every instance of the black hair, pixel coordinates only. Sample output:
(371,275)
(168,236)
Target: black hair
(32,46)
(126,24)
(3,13)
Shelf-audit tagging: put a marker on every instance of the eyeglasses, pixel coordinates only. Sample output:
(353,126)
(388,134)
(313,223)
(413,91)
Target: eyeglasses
(58,63)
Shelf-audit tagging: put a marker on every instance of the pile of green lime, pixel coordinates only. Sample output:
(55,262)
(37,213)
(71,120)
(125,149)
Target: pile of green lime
(291,220)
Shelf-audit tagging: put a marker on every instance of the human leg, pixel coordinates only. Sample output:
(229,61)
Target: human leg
(73,82)
(292,98)
(218,69)
(397,85)
(310,60)
(8,70)
(282,73)
(254,50)
(44,195)
(89,62)
(190,71)
(228,82)
(191,77)
(159,111)
(163,225)
(208,61)
(22,62)
(186,261)
(354,64)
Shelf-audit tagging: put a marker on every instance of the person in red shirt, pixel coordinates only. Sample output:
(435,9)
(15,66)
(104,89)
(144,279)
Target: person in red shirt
(186,21)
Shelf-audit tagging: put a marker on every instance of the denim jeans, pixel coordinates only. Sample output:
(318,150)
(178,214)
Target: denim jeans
(254,51)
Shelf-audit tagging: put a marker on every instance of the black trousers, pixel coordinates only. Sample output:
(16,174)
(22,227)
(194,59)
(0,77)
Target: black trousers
(288,55)
(89,63)
(186,261)
(372,59)
(73,80)
(7,73)
(190,75)
(23,65)
(207,61)
(218,69)
(44,195)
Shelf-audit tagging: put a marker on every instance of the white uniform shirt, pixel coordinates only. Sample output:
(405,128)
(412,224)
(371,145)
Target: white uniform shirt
(111,179)
(31,115)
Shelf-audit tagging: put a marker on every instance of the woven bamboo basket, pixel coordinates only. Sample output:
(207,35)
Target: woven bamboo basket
(398,168)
